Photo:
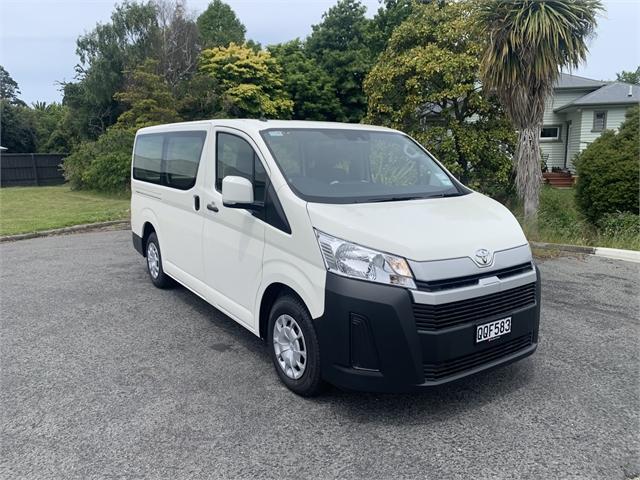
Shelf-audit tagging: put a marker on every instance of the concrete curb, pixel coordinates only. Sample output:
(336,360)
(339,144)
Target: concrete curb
(614,253)
(87,227)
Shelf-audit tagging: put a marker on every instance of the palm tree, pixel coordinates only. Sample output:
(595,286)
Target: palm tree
(528,43)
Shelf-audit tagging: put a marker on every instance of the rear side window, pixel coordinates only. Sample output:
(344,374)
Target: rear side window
(182,157)
(234,156)
(169,159)
(147,158)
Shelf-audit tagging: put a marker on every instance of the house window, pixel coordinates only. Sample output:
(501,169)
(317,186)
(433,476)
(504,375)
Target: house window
(550,133)
(599,121)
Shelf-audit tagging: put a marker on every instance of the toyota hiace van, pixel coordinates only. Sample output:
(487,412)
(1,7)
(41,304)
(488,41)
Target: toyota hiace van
(355,255)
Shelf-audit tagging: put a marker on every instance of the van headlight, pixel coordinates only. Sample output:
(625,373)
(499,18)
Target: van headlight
(352,260)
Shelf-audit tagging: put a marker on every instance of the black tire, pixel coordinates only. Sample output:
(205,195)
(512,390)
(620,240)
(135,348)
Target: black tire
(160,279)
(310,382)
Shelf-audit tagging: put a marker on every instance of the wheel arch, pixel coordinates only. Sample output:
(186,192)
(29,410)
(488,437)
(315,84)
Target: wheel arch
(269,296)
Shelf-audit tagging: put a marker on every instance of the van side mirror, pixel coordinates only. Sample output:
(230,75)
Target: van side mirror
(237,192)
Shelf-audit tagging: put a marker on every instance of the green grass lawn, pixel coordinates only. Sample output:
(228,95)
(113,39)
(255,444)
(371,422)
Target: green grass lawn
(32,209)
(559,221)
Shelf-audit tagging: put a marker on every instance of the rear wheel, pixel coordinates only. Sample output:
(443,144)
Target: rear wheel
(154,263)
(293,345)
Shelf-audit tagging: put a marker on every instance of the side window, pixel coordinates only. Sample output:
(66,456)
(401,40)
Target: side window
(147,158)
(234,156)
(599,121)
(182,157)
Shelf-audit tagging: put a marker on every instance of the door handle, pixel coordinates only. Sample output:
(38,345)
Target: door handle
(212,206)
(196,202)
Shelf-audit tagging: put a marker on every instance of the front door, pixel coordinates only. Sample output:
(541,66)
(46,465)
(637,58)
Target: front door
(233,239)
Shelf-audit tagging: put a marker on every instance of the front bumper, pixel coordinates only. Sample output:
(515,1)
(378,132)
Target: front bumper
(370,340)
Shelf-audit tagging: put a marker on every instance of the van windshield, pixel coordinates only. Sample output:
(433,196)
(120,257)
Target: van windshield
(357,166)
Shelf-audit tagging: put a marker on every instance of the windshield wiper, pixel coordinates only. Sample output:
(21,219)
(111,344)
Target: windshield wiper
(445,195)
(393,199)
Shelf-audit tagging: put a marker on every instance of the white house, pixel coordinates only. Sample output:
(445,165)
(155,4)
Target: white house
(579,110)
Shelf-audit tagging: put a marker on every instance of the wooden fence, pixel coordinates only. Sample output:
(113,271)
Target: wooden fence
(22,169)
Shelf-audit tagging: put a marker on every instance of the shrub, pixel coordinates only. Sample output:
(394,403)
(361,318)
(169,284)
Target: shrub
(619,224)
(608,171)
(558,214)
(103,165)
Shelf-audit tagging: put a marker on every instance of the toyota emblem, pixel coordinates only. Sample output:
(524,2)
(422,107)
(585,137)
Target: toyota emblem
(483,257)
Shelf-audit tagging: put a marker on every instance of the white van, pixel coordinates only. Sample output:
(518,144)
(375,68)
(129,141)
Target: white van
(356,255)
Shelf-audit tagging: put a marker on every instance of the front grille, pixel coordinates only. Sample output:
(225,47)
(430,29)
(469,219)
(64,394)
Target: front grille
(433,317)
(437,371)
(470,280)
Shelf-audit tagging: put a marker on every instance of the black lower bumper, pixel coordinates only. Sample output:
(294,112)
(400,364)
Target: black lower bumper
(369,340)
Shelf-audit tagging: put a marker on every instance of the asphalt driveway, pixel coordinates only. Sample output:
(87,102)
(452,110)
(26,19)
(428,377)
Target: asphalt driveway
(104,376)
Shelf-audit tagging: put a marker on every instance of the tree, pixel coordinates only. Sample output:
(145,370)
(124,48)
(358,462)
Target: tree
(219,26)
(147,98)
(17,130)
(608,171)
(9,89)
(105,54)
(309,86)
(250,83)
(629,77)
(340,46)
(426,83)
(391,14)
(47,118)
(178,46)
(528,43)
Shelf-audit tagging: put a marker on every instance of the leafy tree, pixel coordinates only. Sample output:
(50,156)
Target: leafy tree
(391,14)
(199,97)
(309,86)
(528,42)
(17,130)
(105,54)
(47,118)
(147,98)
(608,171)
(250,83)
(426,83)
(219,26)
(629,77)
(9,89)
(340,46)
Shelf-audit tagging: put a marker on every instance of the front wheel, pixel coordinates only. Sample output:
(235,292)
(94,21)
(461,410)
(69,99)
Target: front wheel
(293,345)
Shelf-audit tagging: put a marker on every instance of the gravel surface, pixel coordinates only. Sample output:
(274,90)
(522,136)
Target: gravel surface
(104,376)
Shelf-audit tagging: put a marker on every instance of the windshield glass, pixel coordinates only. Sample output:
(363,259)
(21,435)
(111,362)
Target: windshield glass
(356,166)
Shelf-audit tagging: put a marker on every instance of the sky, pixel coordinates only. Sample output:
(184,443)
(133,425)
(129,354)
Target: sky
(37,37)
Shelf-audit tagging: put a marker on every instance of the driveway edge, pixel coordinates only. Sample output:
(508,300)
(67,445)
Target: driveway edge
(87,227)
(613,253)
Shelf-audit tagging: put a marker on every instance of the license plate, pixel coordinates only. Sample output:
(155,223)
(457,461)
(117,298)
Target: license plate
(491,330)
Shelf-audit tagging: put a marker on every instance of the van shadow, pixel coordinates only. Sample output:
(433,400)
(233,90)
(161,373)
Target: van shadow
(424,407)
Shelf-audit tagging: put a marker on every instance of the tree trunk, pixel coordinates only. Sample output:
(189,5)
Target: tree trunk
(528,170)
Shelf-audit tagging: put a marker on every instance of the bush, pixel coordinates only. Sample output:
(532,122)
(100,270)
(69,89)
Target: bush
(103,165)
(620,224)
(608,171)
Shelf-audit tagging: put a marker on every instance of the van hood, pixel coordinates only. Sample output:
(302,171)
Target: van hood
(423,230)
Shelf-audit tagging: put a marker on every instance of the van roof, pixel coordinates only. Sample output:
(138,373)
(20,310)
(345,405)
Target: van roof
(255,125)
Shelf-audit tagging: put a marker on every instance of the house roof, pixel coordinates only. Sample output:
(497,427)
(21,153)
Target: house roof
(615,93)
(567,80)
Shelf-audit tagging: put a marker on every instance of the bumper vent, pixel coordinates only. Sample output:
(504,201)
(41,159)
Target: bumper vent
(471,280)
(434,372)
(433,317)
